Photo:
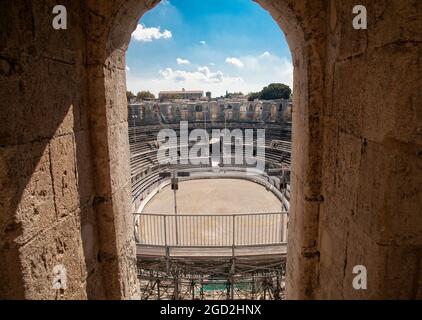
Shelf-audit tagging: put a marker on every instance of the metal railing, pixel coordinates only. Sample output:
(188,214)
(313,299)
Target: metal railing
(230,230)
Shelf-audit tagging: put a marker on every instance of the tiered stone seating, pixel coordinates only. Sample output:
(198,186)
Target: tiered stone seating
(146,164)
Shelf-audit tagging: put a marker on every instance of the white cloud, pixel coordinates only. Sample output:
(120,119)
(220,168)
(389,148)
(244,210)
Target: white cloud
(202,42)
(201,78)
(182,61)
(127,68)
(212,64)
(265,69)
(145,34)
(234,61)
(259,70)
(202,74)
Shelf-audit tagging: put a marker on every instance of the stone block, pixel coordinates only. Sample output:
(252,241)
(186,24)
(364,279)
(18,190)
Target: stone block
(84,167)
(27,197)
(119,156)
(59,244)
(394,21)
(63,166)
(391,271)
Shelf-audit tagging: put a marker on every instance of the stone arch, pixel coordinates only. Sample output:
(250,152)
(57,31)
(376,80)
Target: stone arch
(357,149)
(306,46)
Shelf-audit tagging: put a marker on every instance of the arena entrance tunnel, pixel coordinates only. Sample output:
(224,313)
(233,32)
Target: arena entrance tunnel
(356,172)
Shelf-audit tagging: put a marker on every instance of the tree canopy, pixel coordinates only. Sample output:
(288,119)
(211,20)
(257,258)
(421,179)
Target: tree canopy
(144,95)
(272,92)
(230,95)
(254,95)
(129,96)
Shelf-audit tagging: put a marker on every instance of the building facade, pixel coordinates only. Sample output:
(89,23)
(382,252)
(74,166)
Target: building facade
(183,94)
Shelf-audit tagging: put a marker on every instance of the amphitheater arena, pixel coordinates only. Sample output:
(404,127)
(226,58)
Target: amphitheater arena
(222,234)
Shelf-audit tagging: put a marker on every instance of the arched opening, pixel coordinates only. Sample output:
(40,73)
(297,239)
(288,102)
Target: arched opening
(65,174)
(224,198)
(119,34)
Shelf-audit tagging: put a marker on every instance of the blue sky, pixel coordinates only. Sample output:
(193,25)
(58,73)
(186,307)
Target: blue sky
(210,45)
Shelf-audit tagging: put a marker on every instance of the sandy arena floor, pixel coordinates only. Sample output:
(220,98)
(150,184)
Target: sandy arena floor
(215,196)
(212,197)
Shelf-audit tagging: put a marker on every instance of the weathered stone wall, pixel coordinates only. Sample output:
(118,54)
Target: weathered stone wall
(371,214)
(64,155)
(304,25)
(356,151)
(46,213)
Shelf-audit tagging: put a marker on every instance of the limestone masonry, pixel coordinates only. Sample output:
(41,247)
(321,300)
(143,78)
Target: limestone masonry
(65,174)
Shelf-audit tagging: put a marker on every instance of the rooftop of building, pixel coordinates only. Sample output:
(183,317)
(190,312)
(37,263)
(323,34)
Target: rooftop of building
(181,91)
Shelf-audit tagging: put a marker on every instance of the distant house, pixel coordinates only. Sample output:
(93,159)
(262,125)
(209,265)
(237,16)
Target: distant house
(184,94)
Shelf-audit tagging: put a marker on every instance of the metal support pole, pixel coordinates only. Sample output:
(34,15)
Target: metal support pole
(176,287)
(175,200)
(253,287)
(282,228)
(234,234)
(167,259)
(266,288)
(165,231)
(232,268)
(176,217)
(193,289)
(232,272)
(202,288)
(278,289)
(175,207)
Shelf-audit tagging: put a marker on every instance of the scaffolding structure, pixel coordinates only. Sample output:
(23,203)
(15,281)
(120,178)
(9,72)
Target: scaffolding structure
(252,278)
(212,257)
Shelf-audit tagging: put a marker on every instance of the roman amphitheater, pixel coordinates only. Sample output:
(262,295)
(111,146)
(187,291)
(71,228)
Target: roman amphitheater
(220,230)
(340,186)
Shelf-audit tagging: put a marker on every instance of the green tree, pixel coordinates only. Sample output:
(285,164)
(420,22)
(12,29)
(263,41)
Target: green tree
(129,96)
(254,95)
(276,91)
(272,92)
(144,95)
